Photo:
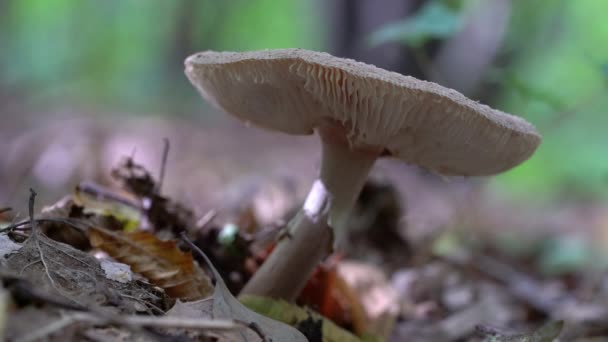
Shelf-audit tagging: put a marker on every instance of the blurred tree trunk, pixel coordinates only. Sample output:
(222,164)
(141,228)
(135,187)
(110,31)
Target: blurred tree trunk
(352,21)
(463,60)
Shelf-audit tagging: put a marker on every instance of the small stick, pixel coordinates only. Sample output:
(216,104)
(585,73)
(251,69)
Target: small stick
(46,330)
(34,235)
(22,289)
(168,322)
(4,210)
(137,321)
(71,222)
(31,209)
(204,221)
(163,165)
(98,192)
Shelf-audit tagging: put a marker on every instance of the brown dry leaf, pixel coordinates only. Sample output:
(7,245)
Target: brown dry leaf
(225,305)
(161,262)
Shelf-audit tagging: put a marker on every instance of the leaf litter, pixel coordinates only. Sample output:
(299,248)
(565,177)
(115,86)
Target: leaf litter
(59,277)
(60,285)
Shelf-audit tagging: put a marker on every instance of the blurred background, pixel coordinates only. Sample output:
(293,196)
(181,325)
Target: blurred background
(84,83)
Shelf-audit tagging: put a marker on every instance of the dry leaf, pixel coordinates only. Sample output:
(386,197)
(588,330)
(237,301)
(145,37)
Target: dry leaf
(225,305)
(161,262)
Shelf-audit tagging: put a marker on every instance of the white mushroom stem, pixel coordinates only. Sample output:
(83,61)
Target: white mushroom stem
(343,172)
(308,240)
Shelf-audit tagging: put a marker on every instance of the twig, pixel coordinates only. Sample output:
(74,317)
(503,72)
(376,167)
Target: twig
(174,322)
(34,235)
(31,208)
(4,210)
(71,222)
(163,165)
(204,221)
(198,251)
(166,322)
(101,193)
(47,329)
(143,302)
(21,289)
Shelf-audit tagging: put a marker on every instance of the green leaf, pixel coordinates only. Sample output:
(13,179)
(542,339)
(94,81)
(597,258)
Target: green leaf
(294,315)
(433,21)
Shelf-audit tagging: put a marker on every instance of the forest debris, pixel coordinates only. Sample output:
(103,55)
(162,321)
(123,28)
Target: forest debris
(379,300)
(230,251)
(327,293)
(202,308)
(20,324)
(65,208)
(134,178)
(133,323)
(107,203)
(7,247)
(546,333)
(225,305)
(299,317)
(161,262)
(4,308)
(462,323)
(116,271)
(162,212)
(75,277)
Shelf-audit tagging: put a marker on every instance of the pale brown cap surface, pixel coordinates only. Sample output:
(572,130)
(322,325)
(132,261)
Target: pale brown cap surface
(295,91)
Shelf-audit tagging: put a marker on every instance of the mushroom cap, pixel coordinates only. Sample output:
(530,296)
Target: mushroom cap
(296,91)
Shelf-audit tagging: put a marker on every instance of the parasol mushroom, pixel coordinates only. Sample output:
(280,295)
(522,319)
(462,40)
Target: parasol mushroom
(361,113)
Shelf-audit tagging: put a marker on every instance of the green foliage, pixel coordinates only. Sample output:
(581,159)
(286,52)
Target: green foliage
(294,315)
(125,54)
(128,55)
(557,77)
(268,24)
(558,81)
(435,20)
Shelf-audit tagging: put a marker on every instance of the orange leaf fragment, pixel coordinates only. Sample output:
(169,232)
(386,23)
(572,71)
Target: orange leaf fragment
(161,262)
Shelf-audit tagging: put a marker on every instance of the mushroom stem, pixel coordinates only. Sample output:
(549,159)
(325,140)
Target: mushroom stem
(344,170)
(308,240)
(286,271)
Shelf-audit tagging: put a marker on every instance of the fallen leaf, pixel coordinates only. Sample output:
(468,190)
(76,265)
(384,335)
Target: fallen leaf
(7,247)
(65,274)
(225,305)
(161,262)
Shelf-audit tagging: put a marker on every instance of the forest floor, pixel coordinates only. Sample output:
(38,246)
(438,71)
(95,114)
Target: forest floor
(428,259)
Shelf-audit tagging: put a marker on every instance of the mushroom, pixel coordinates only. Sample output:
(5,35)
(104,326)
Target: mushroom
(361,113)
